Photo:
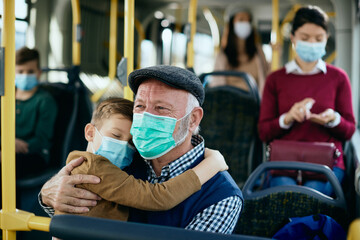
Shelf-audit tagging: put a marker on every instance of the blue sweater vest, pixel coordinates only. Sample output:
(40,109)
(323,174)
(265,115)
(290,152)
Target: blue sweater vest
(219,187)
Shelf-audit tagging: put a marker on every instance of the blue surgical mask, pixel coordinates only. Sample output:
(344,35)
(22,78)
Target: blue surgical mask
(26,82)
(310,52)
(153,134)
(118,152)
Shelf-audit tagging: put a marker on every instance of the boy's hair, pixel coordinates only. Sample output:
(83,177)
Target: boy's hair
(25,54)
(112,106)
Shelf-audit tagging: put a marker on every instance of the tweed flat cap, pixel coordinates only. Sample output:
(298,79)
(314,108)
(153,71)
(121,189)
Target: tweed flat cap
(173,76)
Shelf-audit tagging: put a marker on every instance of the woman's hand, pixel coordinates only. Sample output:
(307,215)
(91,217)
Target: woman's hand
(299,112)
(323,118)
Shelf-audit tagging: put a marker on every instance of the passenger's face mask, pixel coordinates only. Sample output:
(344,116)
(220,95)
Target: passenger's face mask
(153,134)
(242,29)
(118,152)
(26,82)
(310,52)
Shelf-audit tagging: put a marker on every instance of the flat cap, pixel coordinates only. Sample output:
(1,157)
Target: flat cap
(173,76)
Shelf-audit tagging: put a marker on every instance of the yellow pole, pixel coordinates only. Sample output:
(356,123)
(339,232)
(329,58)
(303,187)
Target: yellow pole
(8,116)
(140,30)
(129,43)
(275,35)
(192,22)
(76,48)
(113,38)
(39,223)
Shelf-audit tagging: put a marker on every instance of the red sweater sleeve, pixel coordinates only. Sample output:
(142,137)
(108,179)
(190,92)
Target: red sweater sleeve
(343,105)
(269,127)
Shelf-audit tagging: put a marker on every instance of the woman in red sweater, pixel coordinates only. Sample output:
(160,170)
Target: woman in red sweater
(308,100)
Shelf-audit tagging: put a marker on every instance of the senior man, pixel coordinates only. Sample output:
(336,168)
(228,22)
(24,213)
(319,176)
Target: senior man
(167,115)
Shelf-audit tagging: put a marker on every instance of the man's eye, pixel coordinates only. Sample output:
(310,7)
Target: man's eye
(160,108)
(139,106)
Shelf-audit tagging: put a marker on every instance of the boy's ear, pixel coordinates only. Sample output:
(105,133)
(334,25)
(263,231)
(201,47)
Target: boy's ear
(89,132)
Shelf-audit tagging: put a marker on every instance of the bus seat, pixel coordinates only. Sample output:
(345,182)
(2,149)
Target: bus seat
(67,103)
(267,210)
(230,124)
(70,99)
(90,228)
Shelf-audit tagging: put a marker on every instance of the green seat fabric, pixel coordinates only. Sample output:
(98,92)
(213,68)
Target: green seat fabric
(230,126)
(264,216)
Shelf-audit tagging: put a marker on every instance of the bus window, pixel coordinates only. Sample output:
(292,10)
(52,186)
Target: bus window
(204,53)
(21,23)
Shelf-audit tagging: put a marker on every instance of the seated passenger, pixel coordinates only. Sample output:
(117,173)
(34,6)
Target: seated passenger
(240,51)
(35,115)
(308,100)
(108,152)
(167,114)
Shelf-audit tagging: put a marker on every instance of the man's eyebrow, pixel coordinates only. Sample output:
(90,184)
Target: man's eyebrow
(164,103)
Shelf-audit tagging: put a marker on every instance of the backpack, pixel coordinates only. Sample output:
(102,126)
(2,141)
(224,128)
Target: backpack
(314,227)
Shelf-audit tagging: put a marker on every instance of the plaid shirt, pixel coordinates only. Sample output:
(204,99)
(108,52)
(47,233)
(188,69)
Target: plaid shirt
(220,217)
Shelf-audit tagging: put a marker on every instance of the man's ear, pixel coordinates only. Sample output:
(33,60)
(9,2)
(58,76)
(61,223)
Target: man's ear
(196,116)
(89,132)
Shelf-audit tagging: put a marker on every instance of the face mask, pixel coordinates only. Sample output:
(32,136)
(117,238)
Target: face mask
(242,29)
(26,82)
(310,52)
(118,152)
(153,135)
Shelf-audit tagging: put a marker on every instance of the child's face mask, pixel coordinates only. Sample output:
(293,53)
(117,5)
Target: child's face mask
(120,153)
(26,82)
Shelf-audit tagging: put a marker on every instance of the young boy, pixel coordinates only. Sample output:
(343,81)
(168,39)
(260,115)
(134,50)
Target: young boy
(35,114)
(108,152)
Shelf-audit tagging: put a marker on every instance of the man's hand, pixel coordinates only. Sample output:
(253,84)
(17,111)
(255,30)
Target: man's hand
(323,118)
(21,146)
(61,194)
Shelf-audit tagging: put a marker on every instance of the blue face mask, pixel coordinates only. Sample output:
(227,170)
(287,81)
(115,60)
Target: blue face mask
(153,134)
(26,82)
(118,152)
(310,52)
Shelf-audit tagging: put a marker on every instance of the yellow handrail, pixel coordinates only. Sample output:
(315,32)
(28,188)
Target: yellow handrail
(8,118)
(112,50)
(76,47)
(129,43)
(113,38)
(275,35)
(140,30)
(192,22)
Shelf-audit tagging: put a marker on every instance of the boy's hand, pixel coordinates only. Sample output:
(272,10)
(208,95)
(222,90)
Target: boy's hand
(21,146)
(213,163)
(217,158)
(61,194)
